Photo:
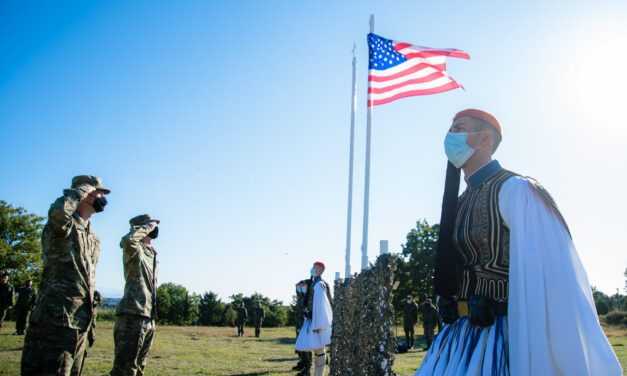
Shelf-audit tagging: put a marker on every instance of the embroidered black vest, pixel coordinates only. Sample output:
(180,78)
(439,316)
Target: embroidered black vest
(482,238)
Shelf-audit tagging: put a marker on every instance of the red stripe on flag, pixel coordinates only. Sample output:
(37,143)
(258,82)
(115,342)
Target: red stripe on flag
(432,52)
(440,89)
(394,76)
(427,78)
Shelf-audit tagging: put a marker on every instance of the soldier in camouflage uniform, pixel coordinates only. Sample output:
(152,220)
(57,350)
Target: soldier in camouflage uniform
(304,357)
(6,296)
(430,319)
(410,317)
(25,302)
(242,317)
(259,314)
(136,313)
(61,323)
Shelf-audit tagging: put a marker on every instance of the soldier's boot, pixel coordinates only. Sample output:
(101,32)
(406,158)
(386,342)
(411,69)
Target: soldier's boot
(319,364)
(305,371)
(301,362)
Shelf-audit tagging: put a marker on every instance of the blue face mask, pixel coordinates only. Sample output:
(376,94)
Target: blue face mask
(457,149)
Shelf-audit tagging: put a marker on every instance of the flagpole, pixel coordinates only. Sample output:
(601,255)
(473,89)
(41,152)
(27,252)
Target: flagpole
(364,244)
(349,216)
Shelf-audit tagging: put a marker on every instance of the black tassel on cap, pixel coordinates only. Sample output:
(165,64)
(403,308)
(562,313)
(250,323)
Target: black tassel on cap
(447,259)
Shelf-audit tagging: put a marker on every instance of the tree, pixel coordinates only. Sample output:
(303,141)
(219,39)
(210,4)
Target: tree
(176,306)
(602,302)
(229,315)
(210,309)
(417,266)
(20,243)
(276,312)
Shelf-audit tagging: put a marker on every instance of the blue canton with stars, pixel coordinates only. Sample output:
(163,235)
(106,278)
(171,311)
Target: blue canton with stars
(382,54)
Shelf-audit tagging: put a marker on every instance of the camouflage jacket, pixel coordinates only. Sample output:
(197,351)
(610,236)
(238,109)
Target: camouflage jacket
(242,315)
(429,314)
(410,313)
(70,254)
(6,295)
(140,274)
(259,314)
(25,298)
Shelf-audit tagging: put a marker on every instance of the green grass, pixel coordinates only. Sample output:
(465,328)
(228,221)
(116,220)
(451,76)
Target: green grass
(216,351)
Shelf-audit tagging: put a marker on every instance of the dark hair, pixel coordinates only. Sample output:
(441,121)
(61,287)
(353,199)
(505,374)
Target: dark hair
(483,125)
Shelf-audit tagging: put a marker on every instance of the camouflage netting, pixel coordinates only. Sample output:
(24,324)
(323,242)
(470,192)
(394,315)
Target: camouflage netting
(363,343)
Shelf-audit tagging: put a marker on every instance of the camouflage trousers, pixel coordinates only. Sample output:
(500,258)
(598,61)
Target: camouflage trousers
(133,336)
(429,331)
(258,326)
(53,351)
(20,320)
(3,314)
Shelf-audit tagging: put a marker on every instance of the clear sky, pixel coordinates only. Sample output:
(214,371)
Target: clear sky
(229,121)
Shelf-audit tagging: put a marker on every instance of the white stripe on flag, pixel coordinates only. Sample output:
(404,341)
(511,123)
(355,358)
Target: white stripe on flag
(406,65)
(412,76)
(421,86)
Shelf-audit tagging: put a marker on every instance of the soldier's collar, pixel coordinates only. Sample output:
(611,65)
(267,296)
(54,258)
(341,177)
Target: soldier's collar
(483,174)
(81,221)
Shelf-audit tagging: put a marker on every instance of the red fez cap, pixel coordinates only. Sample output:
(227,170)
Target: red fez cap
(320,263)
(482,115)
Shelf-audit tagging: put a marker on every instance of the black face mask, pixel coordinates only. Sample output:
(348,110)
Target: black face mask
(99,204)
(154,233)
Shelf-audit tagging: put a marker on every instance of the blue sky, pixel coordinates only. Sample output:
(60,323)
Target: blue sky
(229,121)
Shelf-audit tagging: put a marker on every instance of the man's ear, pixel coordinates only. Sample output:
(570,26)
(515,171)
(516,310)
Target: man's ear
(485,141)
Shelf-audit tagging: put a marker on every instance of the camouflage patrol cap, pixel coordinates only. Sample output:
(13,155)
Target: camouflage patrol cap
(142,219)
(94,181)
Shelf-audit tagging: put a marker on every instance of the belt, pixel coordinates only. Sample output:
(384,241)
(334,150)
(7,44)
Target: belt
(463,309)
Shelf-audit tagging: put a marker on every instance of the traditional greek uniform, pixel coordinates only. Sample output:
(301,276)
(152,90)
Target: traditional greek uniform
(523,304)
(319,317)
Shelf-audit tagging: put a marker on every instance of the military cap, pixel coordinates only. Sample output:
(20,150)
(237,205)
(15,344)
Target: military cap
(94,181)
(481,115)
(142,219)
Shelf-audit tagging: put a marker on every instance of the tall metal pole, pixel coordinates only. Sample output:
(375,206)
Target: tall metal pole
(349,216)
(364,244)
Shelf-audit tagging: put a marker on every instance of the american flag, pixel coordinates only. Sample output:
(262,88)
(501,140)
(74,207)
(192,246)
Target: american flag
(397,70)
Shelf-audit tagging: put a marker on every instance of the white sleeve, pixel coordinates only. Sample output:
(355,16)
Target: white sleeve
(553,325)
(322,315)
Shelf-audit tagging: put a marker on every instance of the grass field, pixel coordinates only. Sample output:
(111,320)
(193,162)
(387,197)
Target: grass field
(216,351)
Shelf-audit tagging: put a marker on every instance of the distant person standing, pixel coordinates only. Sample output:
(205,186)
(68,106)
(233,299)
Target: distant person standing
(304,357)
(25,302)
(430,320)
(62,320)
(259,314)
(315,334)
(6,296)
(242,317)
(410,317)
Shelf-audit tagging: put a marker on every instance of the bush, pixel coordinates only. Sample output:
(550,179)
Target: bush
(616,318)
(176,305)
(229,316)
(276,315)
(106,314)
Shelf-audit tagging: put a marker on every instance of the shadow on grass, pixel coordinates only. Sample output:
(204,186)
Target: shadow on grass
(258,373)
(12,350)
(279,341)
(276,360)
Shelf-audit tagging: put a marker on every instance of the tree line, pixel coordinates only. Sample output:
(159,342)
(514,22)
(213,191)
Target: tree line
(176,306)
(20,256)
